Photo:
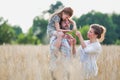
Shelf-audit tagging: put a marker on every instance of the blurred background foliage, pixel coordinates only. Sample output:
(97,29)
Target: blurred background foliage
(37,32)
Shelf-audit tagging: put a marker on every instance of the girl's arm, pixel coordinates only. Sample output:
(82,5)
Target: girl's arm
(73,23)
(57,26)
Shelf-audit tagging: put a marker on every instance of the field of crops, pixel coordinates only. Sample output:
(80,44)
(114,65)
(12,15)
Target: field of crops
(28,62)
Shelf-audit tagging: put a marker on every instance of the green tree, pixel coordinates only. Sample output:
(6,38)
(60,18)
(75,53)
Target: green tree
(17,30)
(102,19)
(6,32)
(84,31)
(117,42)
(28,38)
(39,29)
(116,21)
(54,7)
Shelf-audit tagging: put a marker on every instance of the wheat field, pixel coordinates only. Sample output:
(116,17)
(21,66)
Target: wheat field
(28,62)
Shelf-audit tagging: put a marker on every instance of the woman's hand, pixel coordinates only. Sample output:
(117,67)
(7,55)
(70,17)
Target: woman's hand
(78,33)
(81,39)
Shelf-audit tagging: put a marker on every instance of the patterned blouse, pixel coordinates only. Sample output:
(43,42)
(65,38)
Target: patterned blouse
(51,25)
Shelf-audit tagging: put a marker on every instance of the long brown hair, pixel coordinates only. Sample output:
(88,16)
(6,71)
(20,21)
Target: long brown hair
(99,30)
(66,10)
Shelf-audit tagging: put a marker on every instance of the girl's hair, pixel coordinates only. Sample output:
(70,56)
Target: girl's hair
(99,30)
(66,10)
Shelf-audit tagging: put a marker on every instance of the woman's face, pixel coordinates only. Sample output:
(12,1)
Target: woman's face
(91,34)
(65,16)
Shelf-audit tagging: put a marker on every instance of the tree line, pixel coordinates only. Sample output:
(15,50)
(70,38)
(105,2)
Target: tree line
(37,32)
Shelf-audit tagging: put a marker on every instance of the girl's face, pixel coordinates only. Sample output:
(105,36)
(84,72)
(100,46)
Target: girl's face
(65,16)
(91,34)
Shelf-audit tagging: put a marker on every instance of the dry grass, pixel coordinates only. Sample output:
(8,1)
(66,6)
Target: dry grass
(20,62)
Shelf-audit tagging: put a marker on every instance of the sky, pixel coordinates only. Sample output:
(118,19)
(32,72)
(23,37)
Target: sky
(22,12)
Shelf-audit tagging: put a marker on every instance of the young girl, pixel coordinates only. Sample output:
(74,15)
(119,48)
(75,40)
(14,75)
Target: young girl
(90,49)
(53,29)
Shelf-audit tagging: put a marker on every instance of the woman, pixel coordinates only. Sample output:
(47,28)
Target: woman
(90,49)
(57,42)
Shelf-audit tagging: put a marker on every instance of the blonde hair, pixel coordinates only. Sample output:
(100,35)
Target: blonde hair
(99,30)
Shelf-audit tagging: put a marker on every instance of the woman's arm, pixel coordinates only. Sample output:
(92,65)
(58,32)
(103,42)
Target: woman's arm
(81,39)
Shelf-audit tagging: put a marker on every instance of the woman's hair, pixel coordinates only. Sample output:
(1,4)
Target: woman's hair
(66,10)
(99,30)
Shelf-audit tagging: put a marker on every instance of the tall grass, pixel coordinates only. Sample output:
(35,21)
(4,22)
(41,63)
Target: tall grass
(27,62)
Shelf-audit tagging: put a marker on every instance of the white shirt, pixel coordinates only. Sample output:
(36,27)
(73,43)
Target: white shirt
(88,57)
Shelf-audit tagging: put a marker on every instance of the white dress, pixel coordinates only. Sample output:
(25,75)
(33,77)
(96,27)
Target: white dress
(88,58)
